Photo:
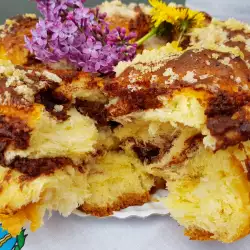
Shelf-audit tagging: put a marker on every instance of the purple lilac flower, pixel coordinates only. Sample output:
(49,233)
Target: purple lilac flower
(80,35)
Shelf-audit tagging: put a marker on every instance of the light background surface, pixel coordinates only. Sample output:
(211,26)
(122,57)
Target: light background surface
(10,8)
(154,233)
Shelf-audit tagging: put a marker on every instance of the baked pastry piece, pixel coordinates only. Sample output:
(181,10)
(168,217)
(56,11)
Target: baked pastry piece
(70,139)
(203,96)
(58,151)
(133,17)
(231,33)
(12,39)
(177,116)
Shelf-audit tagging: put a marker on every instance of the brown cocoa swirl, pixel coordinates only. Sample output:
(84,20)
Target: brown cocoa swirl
(94,110)
(15,133)
(228,118)
(225,100)
(10,98)
(38,167)
(149,151)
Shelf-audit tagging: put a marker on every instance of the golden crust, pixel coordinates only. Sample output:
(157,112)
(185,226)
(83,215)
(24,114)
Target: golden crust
(202,235)
(140,24)
(219,80)
(12,44)
(122,202)
(197,234)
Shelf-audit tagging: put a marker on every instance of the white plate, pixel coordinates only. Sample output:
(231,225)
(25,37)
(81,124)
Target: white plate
(154,207)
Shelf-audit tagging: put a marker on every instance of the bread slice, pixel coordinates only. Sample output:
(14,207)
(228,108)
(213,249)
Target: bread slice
(202,98)
(58,151)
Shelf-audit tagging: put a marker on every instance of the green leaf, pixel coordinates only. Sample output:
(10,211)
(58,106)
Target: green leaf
(21,239)
(17,248)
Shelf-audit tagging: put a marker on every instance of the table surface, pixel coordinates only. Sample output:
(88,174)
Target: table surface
(154,233)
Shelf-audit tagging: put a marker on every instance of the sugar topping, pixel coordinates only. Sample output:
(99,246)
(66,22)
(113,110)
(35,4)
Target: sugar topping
(154,79)
(247,45)
(58,108)
(5,98)
(234,24)
(215,55)
(172,76)
(24,83)
(134,77)
(207,62)
(238,79)
(133,88)
(238,38)
(4,29)
(30,15)
(52,77)
(116,7)
(226,61)
(189,77)
(26,92)
(216,35)
(245,87)
(149,60)
(202,77)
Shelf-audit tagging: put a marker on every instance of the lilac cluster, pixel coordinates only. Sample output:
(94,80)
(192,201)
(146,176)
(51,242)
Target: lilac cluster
(80,35)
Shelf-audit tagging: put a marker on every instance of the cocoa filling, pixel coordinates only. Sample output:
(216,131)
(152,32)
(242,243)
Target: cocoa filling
(146,152)
(36,167)
(33,62)
(15,132)
(94,110)
(13,99)
(134,101)
(141,24)
(192,144)
(49,99)
(228,119)
(97,111)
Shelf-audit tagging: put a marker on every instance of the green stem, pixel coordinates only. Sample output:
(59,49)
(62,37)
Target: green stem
(151,33)
(180,37)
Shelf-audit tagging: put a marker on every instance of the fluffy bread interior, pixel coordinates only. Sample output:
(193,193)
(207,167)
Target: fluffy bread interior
(62,191)
(73,138)
(211,194)
(114,181)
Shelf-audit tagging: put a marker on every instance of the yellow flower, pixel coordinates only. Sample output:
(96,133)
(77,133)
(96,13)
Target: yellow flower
(181,18)
(161,12)
(175,45)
